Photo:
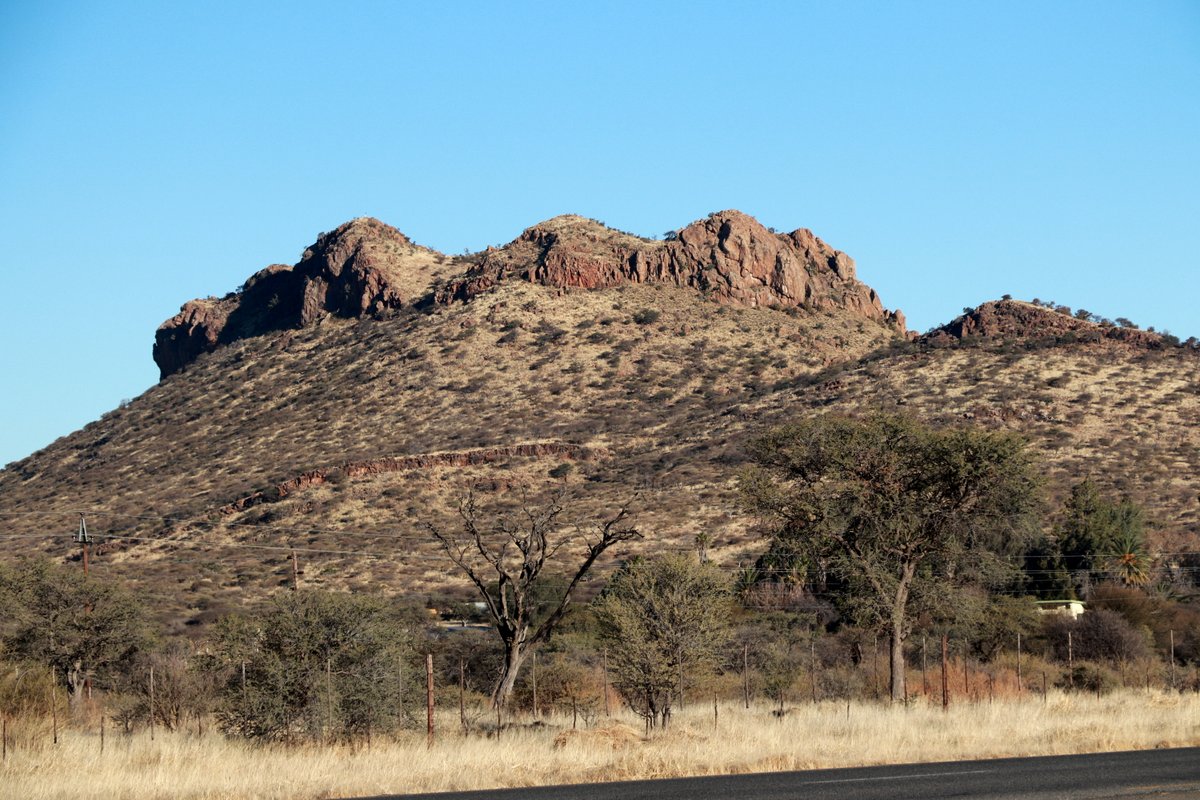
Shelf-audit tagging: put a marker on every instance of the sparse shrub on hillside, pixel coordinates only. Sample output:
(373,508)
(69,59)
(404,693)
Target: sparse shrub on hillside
(646,316)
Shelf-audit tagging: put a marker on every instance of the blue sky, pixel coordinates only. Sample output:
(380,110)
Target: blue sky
(155,152)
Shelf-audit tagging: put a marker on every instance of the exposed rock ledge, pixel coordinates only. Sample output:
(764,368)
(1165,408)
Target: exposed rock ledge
(378,466)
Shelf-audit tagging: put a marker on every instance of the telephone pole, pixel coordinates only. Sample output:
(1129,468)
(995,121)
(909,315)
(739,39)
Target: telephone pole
(83,540)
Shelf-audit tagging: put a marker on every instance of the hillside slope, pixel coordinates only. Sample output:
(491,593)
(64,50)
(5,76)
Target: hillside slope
(333,407)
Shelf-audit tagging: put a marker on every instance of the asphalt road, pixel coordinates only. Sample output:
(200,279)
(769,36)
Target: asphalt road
(1173,774)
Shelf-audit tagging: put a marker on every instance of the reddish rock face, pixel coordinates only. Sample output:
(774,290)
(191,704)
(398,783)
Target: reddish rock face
(729,257)
(365,268)
(359,269)
(1013,319)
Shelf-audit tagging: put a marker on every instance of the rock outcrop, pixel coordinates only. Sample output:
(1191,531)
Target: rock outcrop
(1014,319)
(366,268)
(360,269)
(728,256)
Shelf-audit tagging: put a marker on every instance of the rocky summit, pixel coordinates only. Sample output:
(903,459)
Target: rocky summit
(366,268)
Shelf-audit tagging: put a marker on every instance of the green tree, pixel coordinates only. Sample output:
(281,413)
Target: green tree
(311,664)
(1099,537)
(659,618)
(86,628)
(899,511)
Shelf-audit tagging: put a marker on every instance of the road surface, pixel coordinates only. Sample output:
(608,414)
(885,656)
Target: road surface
(1172,774)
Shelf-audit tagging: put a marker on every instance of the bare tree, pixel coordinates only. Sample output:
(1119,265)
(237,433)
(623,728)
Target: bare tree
(504,557)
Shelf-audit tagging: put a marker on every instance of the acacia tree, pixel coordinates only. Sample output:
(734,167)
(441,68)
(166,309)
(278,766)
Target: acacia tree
(504,557)
(657,615)
(893,508)
(84,627)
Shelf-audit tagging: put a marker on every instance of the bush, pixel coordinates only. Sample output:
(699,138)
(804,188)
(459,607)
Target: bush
(1098,635)
(1089,677)
(646,316)
(313,665)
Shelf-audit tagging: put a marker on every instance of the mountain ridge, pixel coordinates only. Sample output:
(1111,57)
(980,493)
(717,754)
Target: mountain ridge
(367,268)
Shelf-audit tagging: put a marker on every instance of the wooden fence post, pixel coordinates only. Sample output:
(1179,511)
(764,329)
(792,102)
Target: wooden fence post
(746,674)
(1020,685)
(1172,660)
(607,709)
(152,703)
(812,666)
(945,685)
(533,675)
(429,699)
(462,691)
(1070,659)
(924,678)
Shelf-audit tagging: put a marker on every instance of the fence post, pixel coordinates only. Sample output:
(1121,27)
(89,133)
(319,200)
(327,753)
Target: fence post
(462,691)
(400,686)
(1070,659)
(945,684)
(746,674)
(1172,660)
(875,664)
(607,708)
(54,702)
(429,699)
(101,734)
(1020,686)
(924,677)
(812,667)
(533,674)
(681,702)
(4,737)
(966,676)
(152,703)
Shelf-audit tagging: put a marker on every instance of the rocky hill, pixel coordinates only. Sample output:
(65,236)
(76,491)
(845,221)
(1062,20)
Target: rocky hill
(330,407)
(368,269)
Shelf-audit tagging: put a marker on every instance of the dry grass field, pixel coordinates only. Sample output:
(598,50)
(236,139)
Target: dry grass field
(736,740)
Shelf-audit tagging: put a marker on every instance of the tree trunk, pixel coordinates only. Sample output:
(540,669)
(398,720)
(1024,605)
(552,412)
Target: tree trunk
(898,633)
(514,656)
(897,660)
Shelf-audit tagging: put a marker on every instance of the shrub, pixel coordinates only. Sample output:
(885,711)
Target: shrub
(646,316)
(1098,635)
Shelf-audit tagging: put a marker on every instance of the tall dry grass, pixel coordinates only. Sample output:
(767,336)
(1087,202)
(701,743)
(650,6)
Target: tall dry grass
(737,740)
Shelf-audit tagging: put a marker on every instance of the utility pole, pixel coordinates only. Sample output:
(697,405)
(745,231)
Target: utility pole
(83,540)
(82,537)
